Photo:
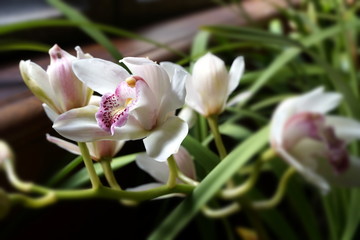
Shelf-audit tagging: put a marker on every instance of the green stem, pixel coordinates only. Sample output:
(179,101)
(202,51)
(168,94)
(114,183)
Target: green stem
(173,172)
(13,178)
(110,178)
(94,178)
(30,202)
(280,191)
(102,192)
(186,179)
(236,192)
(213,123)
(109,174)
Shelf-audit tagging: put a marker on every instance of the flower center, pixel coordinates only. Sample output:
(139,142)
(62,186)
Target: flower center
(114,108)
(312,126)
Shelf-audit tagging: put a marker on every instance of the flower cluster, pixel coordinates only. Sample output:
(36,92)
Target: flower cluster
(100,105)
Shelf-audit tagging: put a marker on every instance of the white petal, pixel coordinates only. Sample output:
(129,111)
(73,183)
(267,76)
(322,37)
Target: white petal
(80,125)
(158,170)
(345,128)
(34,74)
(235,73)
(210,79)
(178,77)
(188,115)
(68,146)
(38,82)
(166,140)
(52,115)
(100,75)
(95,100)
(193,98)
(239,98)
(307,173)
(281,114)
(154,75)
(132,130)
(318,101)
(136,61)
(185,163)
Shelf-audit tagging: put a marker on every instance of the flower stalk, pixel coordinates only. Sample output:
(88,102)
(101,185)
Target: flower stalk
(213,124)
(94,178)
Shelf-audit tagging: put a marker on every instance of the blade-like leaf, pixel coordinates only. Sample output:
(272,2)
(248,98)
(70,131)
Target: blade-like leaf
(211,184)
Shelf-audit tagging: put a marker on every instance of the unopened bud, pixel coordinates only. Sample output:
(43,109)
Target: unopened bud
(6,153)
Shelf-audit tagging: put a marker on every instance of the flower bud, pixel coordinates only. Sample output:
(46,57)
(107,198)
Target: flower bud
(211,84)
(6,153)
(58,87)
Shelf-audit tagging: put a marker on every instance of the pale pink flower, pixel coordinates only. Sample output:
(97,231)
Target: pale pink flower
(134,106)
(211,84)
(314,143)
(57,87)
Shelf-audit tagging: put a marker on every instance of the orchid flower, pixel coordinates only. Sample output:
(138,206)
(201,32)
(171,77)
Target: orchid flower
(57,87)
(133,106)
(211,84)
(160,170)
(98,150)
(314,143)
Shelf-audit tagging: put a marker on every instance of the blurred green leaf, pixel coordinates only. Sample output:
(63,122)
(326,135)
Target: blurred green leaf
(95,33)
(210,185)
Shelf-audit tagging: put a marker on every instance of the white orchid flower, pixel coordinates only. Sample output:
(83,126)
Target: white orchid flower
(211,84)
(98,150)
(160,170)
(134,106)
(57,87)
(315,144)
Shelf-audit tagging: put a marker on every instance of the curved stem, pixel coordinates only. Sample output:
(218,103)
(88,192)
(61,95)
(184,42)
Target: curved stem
(27,201)
(231,193)
(221,212)
(186,179)
(94,178)
(13,178)
(213,123)
(109,175)
(280,191)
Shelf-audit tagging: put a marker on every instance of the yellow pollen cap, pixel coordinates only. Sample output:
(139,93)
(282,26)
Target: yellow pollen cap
(131,81)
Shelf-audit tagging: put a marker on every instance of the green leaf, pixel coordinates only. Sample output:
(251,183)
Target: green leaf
(93,32)
(300,203)
(353,218)
(210,185)
(232,130)
(61,174)
(251,34)
(20,26)
(23,46)
(276,221)
(203,156)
